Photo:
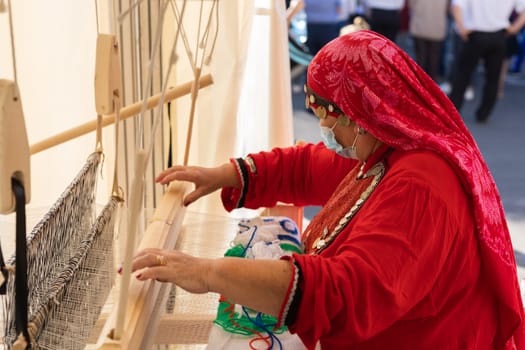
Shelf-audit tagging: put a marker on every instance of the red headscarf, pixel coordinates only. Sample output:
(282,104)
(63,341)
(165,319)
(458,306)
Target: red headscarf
(377,85)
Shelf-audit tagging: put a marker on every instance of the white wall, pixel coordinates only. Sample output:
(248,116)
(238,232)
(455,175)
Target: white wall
(55,57)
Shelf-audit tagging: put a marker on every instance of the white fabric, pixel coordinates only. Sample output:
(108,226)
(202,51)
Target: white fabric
(214,134)
(262,236)
(488,15)
(265,113)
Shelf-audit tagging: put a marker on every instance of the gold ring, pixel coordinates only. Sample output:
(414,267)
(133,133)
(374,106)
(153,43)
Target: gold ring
(161,260)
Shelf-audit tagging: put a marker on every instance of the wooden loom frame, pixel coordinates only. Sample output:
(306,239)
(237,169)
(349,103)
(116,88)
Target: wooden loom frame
(166,223)
(162,232)
(163,229)
(147,299)
(143,301)
(137,313)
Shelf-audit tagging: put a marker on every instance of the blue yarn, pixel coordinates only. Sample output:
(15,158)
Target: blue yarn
(258,321)
(289,238)
(250,241)
(244,226)
(292,230)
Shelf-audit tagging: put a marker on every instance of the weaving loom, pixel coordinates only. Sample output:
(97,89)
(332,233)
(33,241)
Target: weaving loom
(69,255)
(65,287)
(61,264)
(68,263)
(134,318)
(70,267)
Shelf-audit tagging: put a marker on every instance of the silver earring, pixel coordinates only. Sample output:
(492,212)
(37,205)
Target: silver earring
(361,131)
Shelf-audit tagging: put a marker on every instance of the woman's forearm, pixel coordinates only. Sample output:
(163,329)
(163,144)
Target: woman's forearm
(258,284)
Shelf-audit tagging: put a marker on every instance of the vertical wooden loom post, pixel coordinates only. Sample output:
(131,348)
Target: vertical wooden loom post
(194,91)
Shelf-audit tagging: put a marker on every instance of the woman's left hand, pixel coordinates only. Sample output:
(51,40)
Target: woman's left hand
(186,271)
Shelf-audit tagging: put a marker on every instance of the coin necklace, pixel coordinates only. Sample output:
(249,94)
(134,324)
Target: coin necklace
(328,237)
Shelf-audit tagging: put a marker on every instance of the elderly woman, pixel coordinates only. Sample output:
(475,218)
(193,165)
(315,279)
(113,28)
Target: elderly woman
(410,250)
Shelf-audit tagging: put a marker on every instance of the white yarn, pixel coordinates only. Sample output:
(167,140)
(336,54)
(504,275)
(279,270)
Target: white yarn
(263,250)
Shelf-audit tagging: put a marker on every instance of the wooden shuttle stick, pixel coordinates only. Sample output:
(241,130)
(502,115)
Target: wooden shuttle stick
(125,113)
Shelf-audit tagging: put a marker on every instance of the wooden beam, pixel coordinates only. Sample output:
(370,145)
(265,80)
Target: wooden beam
(125,113)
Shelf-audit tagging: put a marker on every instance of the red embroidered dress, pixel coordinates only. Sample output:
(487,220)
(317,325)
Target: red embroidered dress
(425,261)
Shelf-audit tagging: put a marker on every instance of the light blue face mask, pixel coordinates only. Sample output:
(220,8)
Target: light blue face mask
(328,137)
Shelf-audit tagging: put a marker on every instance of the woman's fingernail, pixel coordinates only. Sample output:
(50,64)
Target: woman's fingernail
(139,276)
(119,270)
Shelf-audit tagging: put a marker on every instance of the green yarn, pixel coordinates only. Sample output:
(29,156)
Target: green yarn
(236,251)
(287,247)
(233,322)
(240,323)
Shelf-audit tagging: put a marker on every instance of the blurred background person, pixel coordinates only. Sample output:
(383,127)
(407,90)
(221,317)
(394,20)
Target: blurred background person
(453,45)
(384,16)
(428,28)
(483,25)
(324,19)
(349,9)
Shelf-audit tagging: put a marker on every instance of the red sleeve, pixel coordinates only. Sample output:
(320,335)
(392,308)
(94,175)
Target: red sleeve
(234,197)
(300,175)
(367,280)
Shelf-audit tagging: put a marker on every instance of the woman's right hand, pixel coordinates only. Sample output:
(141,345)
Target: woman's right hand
(206,180)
